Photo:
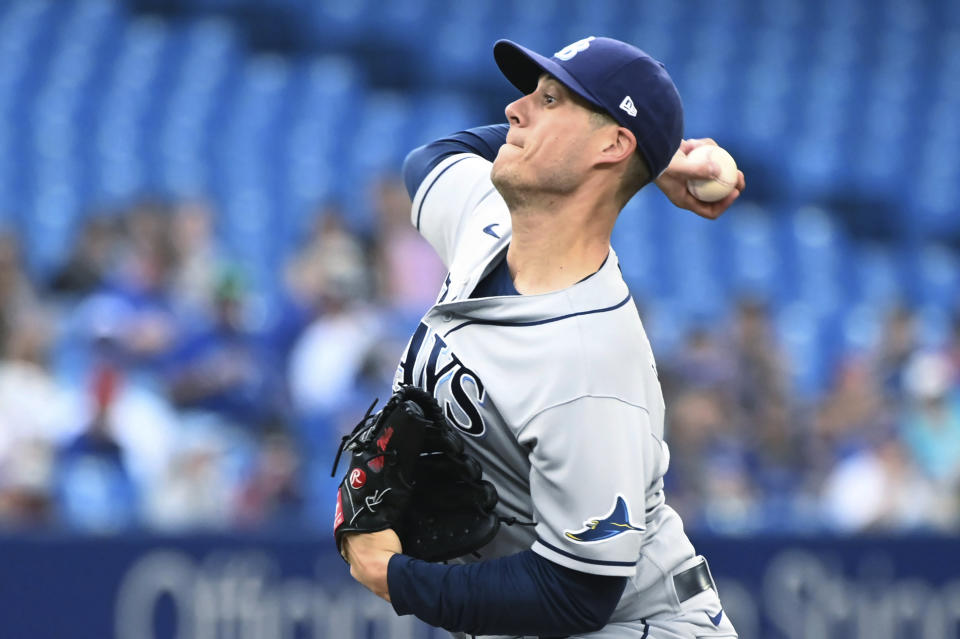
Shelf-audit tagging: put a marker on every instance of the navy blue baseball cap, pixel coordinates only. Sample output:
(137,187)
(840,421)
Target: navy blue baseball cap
(618,78)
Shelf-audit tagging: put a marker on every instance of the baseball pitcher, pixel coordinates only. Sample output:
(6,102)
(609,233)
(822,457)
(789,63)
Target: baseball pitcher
(535,353)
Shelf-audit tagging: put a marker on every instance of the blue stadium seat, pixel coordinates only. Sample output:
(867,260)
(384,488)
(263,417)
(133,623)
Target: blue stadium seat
(755,264)
(934,323)
(938,269)
(337,22)
(798,330)
(694,261)
(878,276)
(634,241)
(818,252)
(441,113)
(862,328)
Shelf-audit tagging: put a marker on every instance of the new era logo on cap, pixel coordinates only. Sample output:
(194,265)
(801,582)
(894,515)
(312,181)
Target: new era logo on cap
(627,105)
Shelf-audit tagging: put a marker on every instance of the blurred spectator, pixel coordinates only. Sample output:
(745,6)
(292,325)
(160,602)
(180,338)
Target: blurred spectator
(931,419)
(852,457)
(195,490)
(877,488)
(761,372)
(331,256)
(328,357)
(851,415)
(91,259)
(32,404)
(147,228)
(271,496)
(197,257)
(409,273)
(874,480)
(710,478)
(26,485)
(35,412)
(953,349)
(18,299)
(897,345)
(703,362)
(305,276)
(732,426)
(222,368)
(94,489)
(695,421)
(731,504)
(133,310)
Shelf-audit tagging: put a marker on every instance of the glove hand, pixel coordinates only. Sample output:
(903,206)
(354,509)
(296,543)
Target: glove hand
(369,557)
(410,475)
(673,182)
(384,449)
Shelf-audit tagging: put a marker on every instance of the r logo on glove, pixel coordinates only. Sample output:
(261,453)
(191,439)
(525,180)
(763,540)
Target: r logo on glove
(357,478)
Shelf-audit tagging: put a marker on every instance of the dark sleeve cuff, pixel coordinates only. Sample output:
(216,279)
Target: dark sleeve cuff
(523,594)
(397,575)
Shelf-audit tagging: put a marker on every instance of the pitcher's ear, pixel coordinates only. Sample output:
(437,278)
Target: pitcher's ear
(619,145)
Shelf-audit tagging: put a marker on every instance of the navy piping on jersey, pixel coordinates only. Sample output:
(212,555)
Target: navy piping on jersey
(427,192)
(539,322)
(646,628)
(598,562)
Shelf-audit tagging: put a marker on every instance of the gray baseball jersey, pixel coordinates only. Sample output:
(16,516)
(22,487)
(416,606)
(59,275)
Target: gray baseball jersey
(558,397)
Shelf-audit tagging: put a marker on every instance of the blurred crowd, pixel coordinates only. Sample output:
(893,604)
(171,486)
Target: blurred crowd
(152,383)
(878,450)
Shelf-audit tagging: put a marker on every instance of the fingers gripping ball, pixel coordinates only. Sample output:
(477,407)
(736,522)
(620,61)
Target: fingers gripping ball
(408,471)
(713,190)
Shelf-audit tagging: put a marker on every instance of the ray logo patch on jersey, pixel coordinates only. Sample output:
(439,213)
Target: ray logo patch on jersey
(614,523)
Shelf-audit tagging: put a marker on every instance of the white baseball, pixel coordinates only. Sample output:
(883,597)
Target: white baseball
(713,190)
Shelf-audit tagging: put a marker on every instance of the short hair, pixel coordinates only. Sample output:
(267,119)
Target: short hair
(637,174)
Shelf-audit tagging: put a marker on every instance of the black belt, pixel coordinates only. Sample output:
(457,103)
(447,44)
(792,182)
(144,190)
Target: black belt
(693,581)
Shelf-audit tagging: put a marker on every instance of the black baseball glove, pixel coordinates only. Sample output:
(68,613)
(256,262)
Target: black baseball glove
(409,472)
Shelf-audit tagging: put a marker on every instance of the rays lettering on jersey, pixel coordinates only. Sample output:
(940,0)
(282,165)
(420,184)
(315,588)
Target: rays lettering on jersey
(433,367)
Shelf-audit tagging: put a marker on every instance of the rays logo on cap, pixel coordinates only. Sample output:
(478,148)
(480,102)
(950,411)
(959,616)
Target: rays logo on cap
(615,522)
(573,49)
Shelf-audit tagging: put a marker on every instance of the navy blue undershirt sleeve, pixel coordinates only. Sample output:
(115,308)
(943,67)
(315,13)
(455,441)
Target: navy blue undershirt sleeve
(523,594)
(484,141)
